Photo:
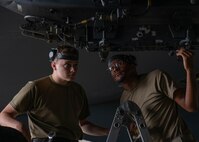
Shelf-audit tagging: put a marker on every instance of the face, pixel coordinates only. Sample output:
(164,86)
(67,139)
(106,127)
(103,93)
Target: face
(118,70)
(65,69)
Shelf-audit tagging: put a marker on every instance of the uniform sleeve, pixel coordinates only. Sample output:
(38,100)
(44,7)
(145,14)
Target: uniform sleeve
(85,107)
(167,84)
(22,101)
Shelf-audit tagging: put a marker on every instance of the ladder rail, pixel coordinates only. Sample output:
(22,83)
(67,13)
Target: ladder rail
(127,115)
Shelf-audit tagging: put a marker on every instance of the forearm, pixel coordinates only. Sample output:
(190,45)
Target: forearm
(188,99)
(7,121)
(94,130)
(191,96)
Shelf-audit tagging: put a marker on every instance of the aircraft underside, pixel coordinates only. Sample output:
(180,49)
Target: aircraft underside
(104,25)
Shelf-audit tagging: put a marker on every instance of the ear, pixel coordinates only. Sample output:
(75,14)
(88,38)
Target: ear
(53,65)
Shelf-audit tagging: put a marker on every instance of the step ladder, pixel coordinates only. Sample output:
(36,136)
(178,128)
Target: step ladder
(129,116)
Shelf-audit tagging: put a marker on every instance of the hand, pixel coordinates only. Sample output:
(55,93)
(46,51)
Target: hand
(133,129)
(187,57)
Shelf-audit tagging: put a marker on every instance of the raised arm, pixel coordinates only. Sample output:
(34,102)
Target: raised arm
(188,98)
(8,119)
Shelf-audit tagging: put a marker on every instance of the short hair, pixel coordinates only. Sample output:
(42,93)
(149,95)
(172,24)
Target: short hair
(64,52)
(127,58)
